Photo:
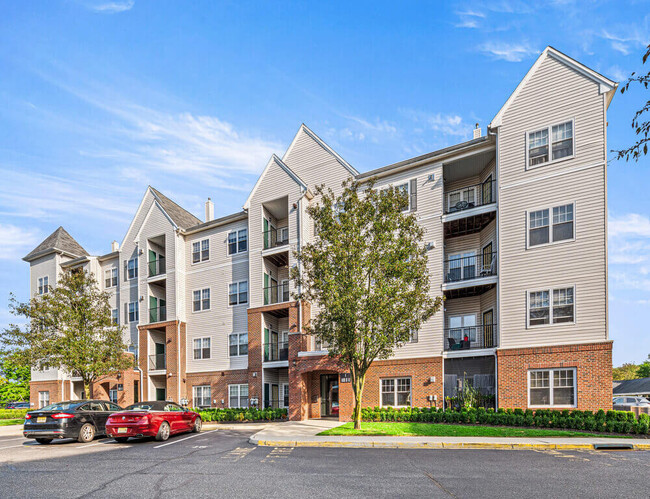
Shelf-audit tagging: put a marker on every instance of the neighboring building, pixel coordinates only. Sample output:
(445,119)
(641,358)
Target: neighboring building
(516,230)
(633,388)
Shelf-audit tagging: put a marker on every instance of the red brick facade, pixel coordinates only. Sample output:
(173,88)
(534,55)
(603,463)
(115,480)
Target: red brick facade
(218,382)
(593,364)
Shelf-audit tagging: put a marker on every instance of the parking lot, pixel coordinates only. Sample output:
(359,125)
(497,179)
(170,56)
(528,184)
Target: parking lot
(222,463)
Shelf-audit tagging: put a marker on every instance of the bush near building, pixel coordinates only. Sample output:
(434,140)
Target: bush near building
(13,413)
(238,415)
(601,421)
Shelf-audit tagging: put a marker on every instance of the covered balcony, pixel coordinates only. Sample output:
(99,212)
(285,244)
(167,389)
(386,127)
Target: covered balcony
(156,265)
(275,231)
(470,273)
(475,337)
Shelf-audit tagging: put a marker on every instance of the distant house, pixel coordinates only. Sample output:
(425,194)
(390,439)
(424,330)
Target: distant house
(633,388)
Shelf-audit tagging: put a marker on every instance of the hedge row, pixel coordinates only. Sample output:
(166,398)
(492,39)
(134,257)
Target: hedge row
(601,421)
(250,414)
(13,413)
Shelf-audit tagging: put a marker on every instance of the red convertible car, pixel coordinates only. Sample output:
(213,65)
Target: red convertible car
(157,419)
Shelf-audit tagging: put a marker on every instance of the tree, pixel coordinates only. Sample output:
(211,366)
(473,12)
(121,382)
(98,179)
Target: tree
(366,272)
(14,380)
(641,128)
(626,371)
(70,328)
(644,369)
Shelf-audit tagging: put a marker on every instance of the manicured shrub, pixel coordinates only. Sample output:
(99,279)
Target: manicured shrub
(250,414)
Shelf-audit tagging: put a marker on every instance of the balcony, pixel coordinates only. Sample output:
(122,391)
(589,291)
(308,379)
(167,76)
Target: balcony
(277,351)
(158,362)
(158,314)
(469,209)
(470,337)
(276,293)
(474,272)
(274,238)
(157,267)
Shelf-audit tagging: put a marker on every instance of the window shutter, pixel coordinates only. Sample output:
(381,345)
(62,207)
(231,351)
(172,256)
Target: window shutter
(126,271)
(414,194)
(126,313)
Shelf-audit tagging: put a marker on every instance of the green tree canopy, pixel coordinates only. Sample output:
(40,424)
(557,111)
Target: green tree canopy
(644,369)
(70,328)
(14,380)
(626,371)
(366,271)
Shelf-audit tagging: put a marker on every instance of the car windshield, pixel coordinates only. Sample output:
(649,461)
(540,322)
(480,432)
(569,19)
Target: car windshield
(142,406)
(60,406)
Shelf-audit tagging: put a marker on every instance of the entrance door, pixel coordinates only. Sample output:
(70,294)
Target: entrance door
(275,396)
(488,329)
(152,263)
(329,394)
(161,394)
(153,309)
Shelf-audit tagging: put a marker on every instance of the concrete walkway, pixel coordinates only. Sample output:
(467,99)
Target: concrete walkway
(305,434)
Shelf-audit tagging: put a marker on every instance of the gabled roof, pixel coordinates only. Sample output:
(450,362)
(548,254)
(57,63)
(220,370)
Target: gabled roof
(57,242)
(304,128)
(180,216)
(606,85)
(633,386)
(274,160)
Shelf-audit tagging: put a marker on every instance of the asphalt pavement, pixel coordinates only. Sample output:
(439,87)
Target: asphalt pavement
(221,463)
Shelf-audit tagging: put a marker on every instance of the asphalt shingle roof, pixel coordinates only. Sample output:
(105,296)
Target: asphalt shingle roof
(641,385)
(181,217)
(59,240)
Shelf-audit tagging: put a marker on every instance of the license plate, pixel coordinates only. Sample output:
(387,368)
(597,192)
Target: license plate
(122,430)
(41,420)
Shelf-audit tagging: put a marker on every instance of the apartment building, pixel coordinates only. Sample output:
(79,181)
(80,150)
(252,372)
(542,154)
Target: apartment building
(515,227)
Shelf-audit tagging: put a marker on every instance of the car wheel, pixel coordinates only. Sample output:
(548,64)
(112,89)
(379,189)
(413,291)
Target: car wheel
(163,432)
(198,424)
(44,441)
(86,433)
(121,440)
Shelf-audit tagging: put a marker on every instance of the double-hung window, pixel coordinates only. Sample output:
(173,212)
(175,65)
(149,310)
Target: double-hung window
(409,190)
(201,348)
(201,251)
(550,143)
(43,399)
(238,293)
(134,311)
(43,285)
(110,278)
(396,392)
(238,344)
(552,388)
(201,396)
(132,268)
(237,396)
(200,300)
(115,316)
(541,311)
(112,395)
(237,241)
(551,225)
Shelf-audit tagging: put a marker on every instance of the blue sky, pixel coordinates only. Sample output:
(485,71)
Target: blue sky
(99,98)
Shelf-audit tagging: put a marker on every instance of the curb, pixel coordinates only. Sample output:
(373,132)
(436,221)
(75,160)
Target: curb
(435,445)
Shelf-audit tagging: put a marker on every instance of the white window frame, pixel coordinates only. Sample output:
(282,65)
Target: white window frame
(238,284)
(550,305)
(112,395)
(200,243)
(395,381)
(202,340)
(464,328)
(549,128)
(284,386)
(44,285)
(461,190)
(136,312)
(135,269)
(397,185)
(237,241)
(550,224)
(202,298)
(115,316)
(202,398)
(551,387)
(461,257)
(239,344)
(111,275)
(239,396)
(43,398)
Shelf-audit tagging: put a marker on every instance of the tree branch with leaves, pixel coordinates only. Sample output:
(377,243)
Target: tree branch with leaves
(69,328)
(366,272)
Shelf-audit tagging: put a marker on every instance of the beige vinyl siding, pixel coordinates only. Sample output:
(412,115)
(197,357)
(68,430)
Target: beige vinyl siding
(554,94)
(114,292)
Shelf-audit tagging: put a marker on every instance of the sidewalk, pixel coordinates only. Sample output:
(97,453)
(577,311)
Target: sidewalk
(304,434)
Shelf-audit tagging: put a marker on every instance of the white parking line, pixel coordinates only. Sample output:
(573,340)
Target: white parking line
(11,447)
(11,439)
(186,438)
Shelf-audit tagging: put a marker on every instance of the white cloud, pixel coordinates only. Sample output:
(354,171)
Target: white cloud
(617,73)
(16,242)
(626,39)
(450,124)
(630,224)
(105,7)
(467,23)
(511,52)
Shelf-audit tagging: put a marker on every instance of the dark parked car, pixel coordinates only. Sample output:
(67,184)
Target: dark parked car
(17,405)
(158,419)
(80,419)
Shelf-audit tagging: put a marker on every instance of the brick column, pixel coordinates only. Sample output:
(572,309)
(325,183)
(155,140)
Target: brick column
(255,355)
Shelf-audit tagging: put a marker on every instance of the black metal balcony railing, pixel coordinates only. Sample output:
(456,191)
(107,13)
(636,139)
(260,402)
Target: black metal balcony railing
(465,268)
(276,351)
(276,237)
(276,293)
(157,267)
(471,337)
(275,404)
(470,196)
(158,314)
(157,362)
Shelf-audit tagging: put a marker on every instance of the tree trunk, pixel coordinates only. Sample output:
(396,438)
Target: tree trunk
(359,380)
(87,393)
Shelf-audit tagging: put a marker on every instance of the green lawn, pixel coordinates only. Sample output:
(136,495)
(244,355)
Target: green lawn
(453,430)
(7,422)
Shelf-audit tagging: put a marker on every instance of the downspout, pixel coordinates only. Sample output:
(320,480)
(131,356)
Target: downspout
(299,246)
(178,358)
(498,307)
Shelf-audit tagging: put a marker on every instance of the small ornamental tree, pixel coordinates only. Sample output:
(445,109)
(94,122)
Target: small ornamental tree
(14,380)
(69,328)
(366,272)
